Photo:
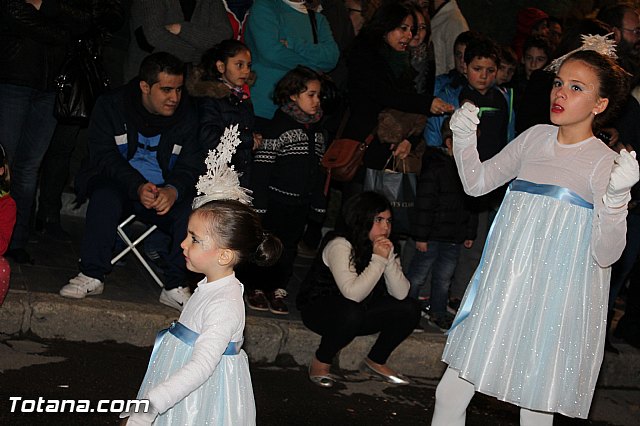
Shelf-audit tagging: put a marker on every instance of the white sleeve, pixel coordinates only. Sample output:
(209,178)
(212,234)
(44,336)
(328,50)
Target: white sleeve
(397,284)
(609,229)
(337,256)
(481,178)
(221,322)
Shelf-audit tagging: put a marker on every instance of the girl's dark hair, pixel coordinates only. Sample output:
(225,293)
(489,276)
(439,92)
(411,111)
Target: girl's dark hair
(293,83)
(387,18)
(359,213)
(220,52)
(236,226)
(614,83)
(5,180)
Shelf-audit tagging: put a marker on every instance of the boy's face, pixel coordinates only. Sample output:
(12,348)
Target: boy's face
(458,57)
(505,73)
(481,73)
(534,59)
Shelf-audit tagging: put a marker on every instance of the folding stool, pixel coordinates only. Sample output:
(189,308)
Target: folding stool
(131,246)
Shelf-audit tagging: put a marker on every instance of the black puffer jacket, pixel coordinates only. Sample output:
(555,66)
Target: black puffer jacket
(219,107)
(33,42)
(442,207)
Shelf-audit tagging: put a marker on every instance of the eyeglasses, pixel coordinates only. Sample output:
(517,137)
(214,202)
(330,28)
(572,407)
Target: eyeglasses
(635,31)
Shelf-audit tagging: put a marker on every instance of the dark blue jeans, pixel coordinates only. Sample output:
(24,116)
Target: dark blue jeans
(441,260)
(108,205)
(26,127)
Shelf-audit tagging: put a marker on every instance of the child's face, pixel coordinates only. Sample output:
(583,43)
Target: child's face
(481,73)
(381,226)
(398,39)
(574,96)
(505,73)
(236,69)
(309,100)
(458,57)
(534,59)
(199,249)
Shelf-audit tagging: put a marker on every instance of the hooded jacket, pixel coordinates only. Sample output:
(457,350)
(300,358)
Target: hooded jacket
(220,107)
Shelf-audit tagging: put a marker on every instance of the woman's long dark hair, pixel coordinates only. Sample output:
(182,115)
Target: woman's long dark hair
(358,214)
(387,18)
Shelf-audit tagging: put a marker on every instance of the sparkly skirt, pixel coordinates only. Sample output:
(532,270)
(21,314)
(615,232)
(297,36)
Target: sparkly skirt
(226,398)
(534,335)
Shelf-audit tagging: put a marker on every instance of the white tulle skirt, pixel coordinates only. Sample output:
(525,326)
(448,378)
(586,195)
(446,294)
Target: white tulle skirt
(226,398)
(535,332)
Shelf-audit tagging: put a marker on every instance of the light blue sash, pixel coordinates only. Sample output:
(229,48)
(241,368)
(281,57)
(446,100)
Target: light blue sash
(557,192)
(189,337)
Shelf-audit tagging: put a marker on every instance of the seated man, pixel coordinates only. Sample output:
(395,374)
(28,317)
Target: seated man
(144,158)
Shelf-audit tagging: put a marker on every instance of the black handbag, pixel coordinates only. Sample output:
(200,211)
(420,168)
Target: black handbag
(82,78)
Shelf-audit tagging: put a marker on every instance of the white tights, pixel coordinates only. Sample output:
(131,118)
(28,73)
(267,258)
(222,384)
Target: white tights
(453,395)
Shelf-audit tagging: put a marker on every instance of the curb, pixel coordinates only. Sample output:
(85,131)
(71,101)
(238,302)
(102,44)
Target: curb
(93,320)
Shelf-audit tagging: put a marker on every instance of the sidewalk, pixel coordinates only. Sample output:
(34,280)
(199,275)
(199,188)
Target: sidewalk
(129,312)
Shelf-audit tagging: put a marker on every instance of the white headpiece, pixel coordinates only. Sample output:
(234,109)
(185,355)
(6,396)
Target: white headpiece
(602,44)
(221,180)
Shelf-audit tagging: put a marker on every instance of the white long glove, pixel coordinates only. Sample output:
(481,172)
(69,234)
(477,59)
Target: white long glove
(464,121)
(142,419)
(624,174)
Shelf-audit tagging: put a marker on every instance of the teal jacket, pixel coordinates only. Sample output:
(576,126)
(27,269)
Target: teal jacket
(271,23)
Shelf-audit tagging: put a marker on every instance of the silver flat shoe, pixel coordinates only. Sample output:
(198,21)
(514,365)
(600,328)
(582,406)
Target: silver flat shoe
(324,380)
(395,379)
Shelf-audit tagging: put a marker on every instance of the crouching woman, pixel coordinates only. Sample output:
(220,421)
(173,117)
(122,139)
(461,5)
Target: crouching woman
(356,288)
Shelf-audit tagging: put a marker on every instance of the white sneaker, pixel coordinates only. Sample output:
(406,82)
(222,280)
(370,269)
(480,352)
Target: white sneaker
(82,286)
(176,297)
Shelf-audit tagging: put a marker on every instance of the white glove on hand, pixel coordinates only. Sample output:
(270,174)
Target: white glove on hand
(624,174)
(464,121)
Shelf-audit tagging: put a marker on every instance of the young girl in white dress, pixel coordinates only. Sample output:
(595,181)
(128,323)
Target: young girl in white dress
(198,374)
(532,323)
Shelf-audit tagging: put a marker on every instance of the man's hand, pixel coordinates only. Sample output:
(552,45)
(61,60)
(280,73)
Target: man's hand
(165,200)
(147,194)
(174,28)
(422,246)
(468,244)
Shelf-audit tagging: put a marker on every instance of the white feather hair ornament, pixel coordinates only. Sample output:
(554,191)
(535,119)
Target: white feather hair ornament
(221,181)
(601,44)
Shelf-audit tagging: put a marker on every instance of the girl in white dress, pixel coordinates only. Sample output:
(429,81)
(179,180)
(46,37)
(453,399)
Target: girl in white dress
(197,373)
(532,323)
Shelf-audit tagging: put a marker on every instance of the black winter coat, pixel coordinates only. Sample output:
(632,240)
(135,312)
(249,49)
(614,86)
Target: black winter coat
(33,43)
(442,208)
(219,107)
(372,88)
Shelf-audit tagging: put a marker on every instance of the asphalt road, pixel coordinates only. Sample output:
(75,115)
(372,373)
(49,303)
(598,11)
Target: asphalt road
(31,368)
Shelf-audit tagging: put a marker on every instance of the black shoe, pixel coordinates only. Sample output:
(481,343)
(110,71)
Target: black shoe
(55,231)
(19,255)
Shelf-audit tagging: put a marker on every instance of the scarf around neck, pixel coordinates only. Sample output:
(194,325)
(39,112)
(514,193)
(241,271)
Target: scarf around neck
(294,111)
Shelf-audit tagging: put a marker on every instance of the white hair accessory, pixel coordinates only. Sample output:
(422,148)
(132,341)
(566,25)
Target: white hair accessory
(221,180)
(601,44)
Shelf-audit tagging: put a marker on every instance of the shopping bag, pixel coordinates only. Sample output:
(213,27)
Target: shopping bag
(400,190)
